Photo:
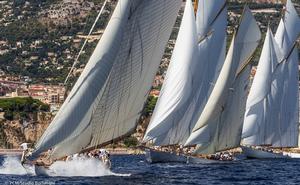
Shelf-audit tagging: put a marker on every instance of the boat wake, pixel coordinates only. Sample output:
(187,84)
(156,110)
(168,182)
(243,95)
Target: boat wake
(89,167)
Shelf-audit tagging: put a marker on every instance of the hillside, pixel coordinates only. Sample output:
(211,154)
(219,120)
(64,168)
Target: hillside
(41,39)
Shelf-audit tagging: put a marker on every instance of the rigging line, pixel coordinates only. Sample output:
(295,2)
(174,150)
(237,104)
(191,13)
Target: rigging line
(83,46)
(218,14)
(247,62)
(212,22)
(286,58)
(204,37)
(289,53)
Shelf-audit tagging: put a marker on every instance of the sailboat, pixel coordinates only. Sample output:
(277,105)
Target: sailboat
(203,91)
(189,77)
(271,119)
(220,123)
(108,98)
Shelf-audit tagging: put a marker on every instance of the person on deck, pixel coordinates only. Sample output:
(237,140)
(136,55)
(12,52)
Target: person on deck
(104,156)
(25,152)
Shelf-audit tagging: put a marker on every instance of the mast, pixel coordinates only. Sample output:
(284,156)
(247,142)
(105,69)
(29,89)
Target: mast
(107,99)
(195,6)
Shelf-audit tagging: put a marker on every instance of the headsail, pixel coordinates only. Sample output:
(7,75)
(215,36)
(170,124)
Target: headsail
(219,125)
(212,26)
(258,128)
(179,87)
(108,98)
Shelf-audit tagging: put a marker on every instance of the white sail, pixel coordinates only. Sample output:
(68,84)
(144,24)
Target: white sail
(272,118)
(244,45)
(258,128)
(289,117)
(285,85)
(190,76)
(207,13)
(284,104)
(205,135)
(272,107)
(288,29)
(228,131)
(180,84)
(108,98)
(212,26)
(220,113)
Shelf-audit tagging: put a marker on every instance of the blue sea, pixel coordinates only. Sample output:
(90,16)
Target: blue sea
(133,169)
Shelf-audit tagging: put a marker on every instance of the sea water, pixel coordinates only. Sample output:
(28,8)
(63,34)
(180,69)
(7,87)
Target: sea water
(132,169)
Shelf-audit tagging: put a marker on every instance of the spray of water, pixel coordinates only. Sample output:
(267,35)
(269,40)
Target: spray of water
(89,167)
(12,165)
(79,167)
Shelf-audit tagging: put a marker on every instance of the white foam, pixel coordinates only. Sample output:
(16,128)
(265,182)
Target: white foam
(12,165)
(292,155)
(79,167)
(89,167)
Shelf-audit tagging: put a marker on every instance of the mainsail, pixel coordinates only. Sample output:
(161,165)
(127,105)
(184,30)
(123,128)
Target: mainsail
(196,61)
(220,123)
(107,99)
(272,107)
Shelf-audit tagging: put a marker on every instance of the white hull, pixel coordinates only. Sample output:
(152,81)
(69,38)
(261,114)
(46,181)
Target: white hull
(153,156)
(259,154)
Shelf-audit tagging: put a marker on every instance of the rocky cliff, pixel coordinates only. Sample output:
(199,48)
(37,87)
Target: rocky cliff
(13,133)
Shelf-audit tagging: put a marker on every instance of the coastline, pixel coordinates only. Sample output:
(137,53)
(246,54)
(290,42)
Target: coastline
(10,152)
(125,151)
(112,151)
